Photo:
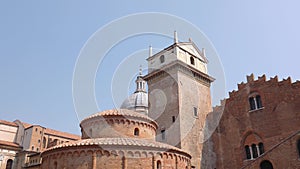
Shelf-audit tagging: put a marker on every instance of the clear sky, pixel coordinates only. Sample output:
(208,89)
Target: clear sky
(40,42)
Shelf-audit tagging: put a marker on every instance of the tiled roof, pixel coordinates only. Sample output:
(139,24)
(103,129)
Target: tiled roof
(120,112)
(8,123)
(8,143)
(61,134)
(142,143)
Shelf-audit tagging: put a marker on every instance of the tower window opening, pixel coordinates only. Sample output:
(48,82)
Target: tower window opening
(136,132)
(163,134)
(173,119)
(192,60)
(162,58)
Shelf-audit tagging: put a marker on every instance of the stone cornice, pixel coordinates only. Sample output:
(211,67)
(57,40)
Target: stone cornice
(182,67)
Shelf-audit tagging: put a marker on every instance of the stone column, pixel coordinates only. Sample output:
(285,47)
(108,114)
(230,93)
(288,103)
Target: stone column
(258,152)
(251,153)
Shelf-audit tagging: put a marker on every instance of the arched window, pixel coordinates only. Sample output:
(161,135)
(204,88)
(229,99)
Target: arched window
(158,165)
(253,145)
(261,148)
(248,153)
(192,60)
(136,132)
(298,147)
(254,151)
(9,164)
(255,102)
(162,58)
(266,165)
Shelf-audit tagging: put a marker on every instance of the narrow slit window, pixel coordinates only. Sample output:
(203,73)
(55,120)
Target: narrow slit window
(195,112)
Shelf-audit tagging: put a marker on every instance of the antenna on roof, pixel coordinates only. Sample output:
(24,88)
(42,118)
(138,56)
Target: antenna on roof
(175,37)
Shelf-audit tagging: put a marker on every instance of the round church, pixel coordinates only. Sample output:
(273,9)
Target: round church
(118,138)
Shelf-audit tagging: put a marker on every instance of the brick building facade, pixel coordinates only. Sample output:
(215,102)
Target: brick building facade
(259,127)
(21,143)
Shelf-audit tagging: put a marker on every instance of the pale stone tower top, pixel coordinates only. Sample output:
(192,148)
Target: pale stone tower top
(184,52)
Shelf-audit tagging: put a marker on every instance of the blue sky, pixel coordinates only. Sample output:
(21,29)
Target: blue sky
(40,42)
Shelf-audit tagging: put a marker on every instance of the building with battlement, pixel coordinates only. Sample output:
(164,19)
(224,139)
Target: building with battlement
(258,126)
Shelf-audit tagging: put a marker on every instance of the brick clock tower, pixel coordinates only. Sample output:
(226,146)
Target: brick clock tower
(179,96)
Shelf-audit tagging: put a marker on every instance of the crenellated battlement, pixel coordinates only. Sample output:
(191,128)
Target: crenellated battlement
(261,81)
(296,84)
(287,81)
(220,107)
